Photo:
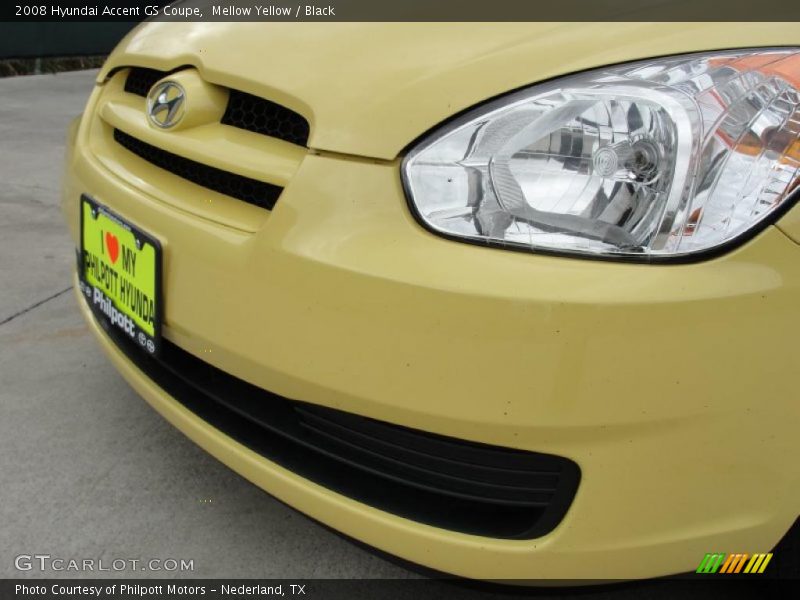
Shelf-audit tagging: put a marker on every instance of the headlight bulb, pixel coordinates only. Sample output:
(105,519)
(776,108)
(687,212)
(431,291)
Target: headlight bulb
(632,161)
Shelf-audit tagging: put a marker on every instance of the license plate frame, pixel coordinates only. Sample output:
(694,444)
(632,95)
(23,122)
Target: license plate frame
(119,298)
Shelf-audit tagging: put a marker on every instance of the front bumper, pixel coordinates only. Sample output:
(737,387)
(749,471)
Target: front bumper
(670,386)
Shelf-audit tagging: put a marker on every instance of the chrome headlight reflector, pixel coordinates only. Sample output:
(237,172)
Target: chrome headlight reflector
(663,158)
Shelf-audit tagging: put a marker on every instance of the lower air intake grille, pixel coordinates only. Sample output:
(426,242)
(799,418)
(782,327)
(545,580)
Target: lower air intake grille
(444,482)
(249,190)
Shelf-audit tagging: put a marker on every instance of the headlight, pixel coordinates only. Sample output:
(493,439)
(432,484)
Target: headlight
(664,158)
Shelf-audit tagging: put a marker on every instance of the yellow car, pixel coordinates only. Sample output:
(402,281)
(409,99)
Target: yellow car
(509,301)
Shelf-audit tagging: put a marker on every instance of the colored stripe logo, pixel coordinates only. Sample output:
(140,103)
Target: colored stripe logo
(734,563)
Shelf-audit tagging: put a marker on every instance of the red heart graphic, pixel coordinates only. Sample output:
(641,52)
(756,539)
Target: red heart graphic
(112,245)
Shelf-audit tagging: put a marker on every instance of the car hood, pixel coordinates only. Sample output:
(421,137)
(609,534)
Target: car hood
(370,89)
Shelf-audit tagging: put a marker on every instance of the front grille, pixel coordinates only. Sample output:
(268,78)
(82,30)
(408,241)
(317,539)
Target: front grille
(243,188)
(140,80)
(444,482)
(243,111)
(258,115)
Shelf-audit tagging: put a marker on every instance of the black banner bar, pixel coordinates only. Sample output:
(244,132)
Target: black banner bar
(400,10)
(700,586)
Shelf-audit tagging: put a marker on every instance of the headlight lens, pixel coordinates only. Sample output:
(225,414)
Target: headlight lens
(664,158)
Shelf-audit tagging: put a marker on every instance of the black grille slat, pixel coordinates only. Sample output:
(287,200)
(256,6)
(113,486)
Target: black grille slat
(260,115)
(140,80)
(512,479)
(278,429)
(243,188)
(506,459)
(441,483)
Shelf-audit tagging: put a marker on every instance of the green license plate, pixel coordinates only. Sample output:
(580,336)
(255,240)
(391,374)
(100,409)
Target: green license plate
(120,275)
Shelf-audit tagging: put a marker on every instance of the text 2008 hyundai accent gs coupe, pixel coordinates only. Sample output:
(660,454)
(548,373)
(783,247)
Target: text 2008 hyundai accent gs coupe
(507,300)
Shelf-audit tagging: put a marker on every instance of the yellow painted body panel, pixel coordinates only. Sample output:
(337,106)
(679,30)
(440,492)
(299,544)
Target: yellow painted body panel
(672,387)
